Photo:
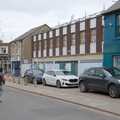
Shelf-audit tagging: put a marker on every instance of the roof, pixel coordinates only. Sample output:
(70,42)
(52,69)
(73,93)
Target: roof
(36,30)
(114,7)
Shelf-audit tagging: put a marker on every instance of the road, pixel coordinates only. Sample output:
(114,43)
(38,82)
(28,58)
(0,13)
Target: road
(19,105)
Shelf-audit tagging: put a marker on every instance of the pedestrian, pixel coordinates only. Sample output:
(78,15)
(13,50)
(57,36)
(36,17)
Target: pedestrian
(2,82)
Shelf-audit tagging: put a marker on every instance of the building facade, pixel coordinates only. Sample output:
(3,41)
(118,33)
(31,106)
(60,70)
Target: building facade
(4,57)
(74,46)
(21,50)
(112,36)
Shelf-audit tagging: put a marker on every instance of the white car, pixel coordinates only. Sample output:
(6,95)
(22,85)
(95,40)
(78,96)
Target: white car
(60,78)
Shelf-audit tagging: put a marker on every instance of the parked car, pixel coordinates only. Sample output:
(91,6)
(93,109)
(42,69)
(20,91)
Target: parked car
(60,78)
(101,79)
(34,75)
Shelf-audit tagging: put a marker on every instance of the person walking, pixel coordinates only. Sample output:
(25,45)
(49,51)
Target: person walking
(2,82)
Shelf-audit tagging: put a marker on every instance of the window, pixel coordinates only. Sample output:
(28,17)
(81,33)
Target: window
(73,39)
(40,45)
(3,50)
(34,54)
(99,73)
(116,61)
(72,28)
(39,37)
(34,38)
(82,37)
(57,42)
(82,26)
(93,23)
(64,30)
(45,44)
(57,32)
(93,35)
(51,43)
(64,41)
(35,46)
(51,34)
(90,72)
(45,35)
(118,26)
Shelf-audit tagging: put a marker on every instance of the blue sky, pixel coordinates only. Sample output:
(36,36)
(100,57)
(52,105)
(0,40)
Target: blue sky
(18,16)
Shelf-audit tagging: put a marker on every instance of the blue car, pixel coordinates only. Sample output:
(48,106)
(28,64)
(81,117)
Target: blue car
(34,75)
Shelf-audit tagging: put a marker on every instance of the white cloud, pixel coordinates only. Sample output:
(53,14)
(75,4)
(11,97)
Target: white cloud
(18,16)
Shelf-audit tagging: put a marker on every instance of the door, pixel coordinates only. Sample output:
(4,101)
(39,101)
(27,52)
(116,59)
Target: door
(99,80)
(51,78)
(90,78)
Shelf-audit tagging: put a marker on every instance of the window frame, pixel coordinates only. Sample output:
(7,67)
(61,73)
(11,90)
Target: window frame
(118,25)
(83,41)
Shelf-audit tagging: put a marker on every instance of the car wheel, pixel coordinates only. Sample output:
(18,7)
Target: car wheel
(113,91)
(44,82)
(83,87)
(58,84)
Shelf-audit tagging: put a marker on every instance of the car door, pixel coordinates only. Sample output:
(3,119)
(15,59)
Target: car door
(99,81)
(52,78)
(90,78)
(47,77)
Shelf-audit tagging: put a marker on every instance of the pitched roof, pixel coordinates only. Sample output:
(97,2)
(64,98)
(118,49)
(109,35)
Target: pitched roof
(114,7)
(36,30)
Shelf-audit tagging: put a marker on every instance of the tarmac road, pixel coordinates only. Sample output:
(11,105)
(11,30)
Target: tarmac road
(19,105)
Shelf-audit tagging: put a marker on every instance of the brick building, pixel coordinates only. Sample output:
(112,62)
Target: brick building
(73,46)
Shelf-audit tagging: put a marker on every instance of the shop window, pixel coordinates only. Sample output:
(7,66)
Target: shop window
(118,26)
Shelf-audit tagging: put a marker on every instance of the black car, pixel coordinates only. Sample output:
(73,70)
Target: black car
(101,79)
(34,75)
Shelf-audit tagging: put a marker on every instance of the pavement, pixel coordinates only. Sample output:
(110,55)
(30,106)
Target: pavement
(100,102)
(20,105)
